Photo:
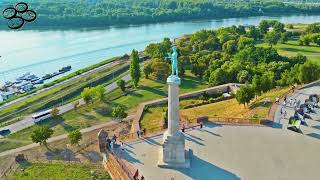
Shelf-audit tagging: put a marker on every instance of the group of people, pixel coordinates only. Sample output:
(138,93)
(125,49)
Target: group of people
(141,133)
(301,113)
(113,141)
(287,102)
(184,127)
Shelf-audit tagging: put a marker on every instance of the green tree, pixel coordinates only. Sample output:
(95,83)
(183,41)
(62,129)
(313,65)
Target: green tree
(160,69)
(313,28)
(245,94)
(100,92)
(217,77)
(305,40)
(254,33)
(230,47)
(243,42)
(75,136)
(272,38)
(267,81)
(41,134)
(264,26)
(147,70)
(122,85)
(87,95)
(278,27)
(284,37)
(257,85)
(243,76)
(309,72)
(135,68)
(119,112)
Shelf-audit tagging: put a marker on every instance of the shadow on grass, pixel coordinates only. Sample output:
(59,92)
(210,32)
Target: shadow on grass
(189,82)
(299,50)
(154,90)
(61,154)
(261,104)
(92,156)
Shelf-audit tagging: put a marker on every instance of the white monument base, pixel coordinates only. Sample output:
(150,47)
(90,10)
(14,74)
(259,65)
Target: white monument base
(172,154)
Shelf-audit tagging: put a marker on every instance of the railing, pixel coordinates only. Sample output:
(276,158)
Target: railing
(254,121)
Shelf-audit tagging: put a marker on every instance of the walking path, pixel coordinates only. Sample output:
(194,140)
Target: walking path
(313,128)
(28,121)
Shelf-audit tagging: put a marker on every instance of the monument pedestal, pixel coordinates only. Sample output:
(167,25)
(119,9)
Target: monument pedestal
(173,154)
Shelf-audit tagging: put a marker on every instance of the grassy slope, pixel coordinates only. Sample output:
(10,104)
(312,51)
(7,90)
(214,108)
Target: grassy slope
(152,90)
(44,171)
(153,119)
(231,108)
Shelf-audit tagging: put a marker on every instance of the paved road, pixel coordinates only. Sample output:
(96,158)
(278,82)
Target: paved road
(28,121)
(313,128)
(58,84)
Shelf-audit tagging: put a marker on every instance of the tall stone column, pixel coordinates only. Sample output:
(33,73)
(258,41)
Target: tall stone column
(172,153)
(173,107)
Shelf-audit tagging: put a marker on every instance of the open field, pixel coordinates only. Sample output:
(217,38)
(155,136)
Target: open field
(60,170)
(292,48)
(61,94)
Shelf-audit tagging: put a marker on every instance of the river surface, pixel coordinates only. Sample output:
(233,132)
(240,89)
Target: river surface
(46,51)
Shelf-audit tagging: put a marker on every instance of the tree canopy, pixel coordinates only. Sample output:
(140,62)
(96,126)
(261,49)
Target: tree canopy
(84,13)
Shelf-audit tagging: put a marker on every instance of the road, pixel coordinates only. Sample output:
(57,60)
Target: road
(313,128)
(58,84)
(28,121)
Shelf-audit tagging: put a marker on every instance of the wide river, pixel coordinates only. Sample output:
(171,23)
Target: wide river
(46,51)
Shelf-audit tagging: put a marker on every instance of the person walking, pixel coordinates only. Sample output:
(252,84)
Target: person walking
(122,146)
(138,133)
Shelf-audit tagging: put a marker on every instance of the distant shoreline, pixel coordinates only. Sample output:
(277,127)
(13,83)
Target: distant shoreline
(3,27)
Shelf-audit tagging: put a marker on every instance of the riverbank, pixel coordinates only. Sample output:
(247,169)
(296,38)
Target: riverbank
(61,80)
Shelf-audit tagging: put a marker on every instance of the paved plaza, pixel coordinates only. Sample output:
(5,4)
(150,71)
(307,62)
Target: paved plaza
(234,152)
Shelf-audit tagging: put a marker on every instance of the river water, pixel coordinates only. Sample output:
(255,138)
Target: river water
(46,51)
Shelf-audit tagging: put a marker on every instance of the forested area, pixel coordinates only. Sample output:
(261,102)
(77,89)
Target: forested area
(230,54)
(84,13)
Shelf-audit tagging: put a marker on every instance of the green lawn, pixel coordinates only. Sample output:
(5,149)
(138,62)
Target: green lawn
(151,90)
(57,171)
(292,48)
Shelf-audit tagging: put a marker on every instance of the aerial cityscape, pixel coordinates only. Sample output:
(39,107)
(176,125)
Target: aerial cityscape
(159,89)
